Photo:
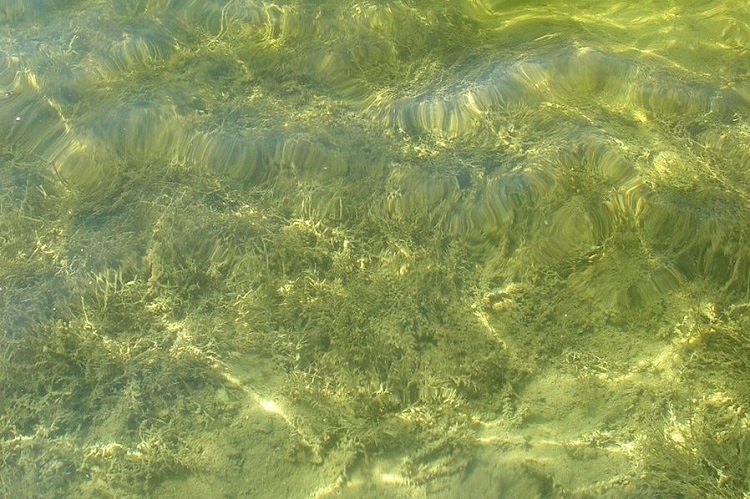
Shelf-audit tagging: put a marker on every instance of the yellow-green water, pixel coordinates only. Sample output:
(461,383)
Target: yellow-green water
(374,249)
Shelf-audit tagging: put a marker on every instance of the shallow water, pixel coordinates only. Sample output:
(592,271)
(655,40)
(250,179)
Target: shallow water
(407,248)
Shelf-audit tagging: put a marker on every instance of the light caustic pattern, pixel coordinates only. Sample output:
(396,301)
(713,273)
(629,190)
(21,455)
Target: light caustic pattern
(609,148)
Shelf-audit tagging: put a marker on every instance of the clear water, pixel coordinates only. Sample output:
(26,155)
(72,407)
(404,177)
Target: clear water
(374,249)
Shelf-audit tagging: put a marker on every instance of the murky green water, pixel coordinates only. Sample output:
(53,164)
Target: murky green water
(374,249)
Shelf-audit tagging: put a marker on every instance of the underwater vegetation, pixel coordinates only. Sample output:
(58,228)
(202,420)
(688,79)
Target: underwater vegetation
(406,249)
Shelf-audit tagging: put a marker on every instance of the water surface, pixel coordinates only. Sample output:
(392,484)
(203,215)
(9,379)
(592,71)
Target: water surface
(368,249)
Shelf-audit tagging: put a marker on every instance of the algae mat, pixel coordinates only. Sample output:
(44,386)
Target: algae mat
(374,249)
